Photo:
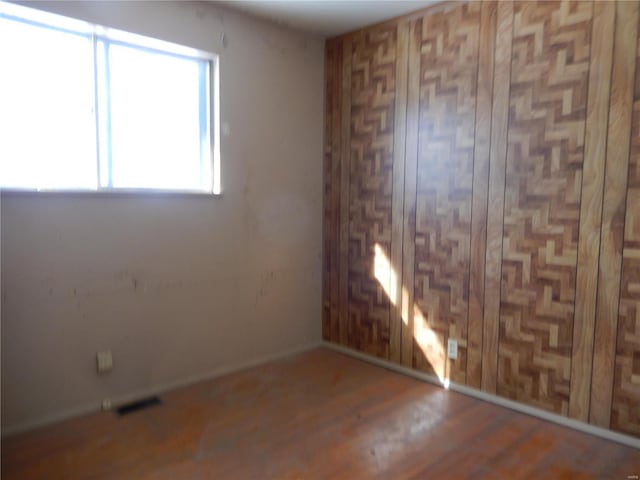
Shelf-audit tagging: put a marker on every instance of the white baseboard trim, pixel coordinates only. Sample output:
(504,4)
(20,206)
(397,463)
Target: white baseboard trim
(487,397)
(155,390)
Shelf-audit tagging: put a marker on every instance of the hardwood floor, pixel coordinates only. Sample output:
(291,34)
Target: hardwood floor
(316,415)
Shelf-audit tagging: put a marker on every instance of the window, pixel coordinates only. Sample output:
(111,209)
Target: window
(84,107)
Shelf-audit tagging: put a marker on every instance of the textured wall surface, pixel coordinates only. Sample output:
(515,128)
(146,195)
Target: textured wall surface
(488,157)
(178,287)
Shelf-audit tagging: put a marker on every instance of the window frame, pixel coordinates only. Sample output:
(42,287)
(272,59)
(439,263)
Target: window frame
(99,33)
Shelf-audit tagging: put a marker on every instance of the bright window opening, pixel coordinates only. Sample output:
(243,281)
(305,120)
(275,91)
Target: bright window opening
(84,107)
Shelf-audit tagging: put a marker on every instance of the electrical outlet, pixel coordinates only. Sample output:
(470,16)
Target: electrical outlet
(452,349)
(104,361)
(106,404)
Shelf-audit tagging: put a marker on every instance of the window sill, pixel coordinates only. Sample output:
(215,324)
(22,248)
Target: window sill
(120,192)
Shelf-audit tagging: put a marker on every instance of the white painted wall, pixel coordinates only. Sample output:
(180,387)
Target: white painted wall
(176,286)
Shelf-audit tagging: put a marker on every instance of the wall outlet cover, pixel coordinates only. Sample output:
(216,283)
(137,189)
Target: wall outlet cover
(104,361)
(452,349)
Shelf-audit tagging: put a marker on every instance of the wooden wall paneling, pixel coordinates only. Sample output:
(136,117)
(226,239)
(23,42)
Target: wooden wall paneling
(467,145)
(545,151)
(613,215)
(591,208)
(345,154)
(448,84)
(482,148)
(370,192)
(497,162)
(397,200)
(625,415)
(331,264)
(409,213)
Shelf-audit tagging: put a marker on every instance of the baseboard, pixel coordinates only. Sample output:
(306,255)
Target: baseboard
(155,390)
(487,397)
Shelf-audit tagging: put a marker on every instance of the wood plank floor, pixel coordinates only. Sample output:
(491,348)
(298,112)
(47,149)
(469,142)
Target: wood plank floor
(316,415)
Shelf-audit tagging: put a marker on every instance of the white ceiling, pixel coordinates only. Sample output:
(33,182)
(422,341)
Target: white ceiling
(328,17)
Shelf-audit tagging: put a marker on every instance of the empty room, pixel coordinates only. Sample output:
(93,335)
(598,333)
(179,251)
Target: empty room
(318,239)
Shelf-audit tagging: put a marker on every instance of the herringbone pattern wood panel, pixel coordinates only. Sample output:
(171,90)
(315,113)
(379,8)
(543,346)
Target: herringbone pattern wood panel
(449,66)
(371,165)
(549,74)
(626,386)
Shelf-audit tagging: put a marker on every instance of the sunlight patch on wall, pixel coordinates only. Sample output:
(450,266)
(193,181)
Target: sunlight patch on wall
(385,274)
(431,345)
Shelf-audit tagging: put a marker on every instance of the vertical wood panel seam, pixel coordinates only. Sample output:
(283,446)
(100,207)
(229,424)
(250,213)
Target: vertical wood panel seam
(622,416)
(504,200)
(493,387)
(404,189)
(475,135)
(398,180)
(504,189)
(624,217)
(411,165)
(345,199)
(593,347)
(336,152)
(602,209)
(624,220)
(574,396)
(473,191)
(602,409)
(337,155)
(480,296)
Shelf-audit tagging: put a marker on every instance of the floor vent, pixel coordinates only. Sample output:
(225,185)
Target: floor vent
(138,405)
